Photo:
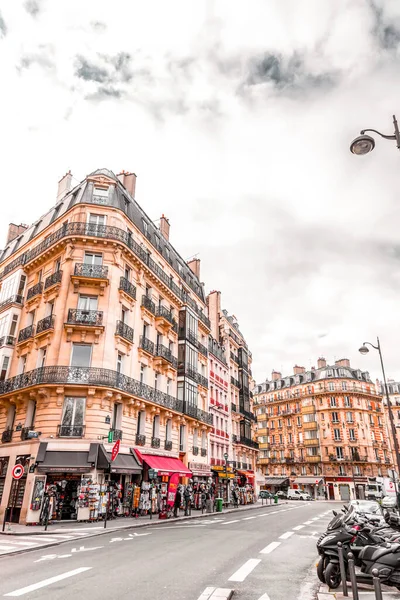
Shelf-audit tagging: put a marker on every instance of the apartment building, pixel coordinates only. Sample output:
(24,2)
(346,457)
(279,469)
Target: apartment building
(322,430)
(103,337)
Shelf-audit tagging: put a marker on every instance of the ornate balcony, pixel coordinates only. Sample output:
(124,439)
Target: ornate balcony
(146,346)
(25,432)
(83,323)
(52,280)
(127,290)
(124,331)
(140,439)
(89,275)
(202,349)
(7,340)
(163,357)
(235,382)
(45,325)
(234,358)
(155,442)
(244,441)
(17,299)
(164,319)
(195,450)
(203,452)
(201,380)
(168,445)
(116,434)
(198,413)
(26,334)
(148,306)
(6,436)
(36,290)
(71,431)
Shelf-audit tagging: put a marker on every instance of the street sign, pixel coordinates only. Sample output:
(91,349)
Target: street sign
(152,473)
(115,450)
(110,436)
(17,471)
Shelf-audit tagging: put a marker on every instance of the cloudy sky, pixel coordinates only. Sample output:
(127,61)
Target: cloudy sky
(236,117)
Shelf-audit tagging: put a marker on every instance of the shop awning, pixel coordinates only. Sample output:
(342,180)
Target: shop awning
(124,463)
(276,480)
(164,465)
(308,480)
(60,461)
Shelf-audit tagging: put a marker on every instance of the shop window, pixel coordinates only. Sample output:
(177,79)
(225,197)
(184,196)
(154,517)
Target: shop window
(4,367)
(182,438)
(168,430)
(141,422)
(73,417)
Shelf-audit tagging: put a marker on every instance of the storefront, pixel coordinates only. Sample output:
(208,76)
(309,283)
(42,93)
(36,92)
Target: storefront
(340,488)
(202,477)
(224,478)
(311,485)
(275,484)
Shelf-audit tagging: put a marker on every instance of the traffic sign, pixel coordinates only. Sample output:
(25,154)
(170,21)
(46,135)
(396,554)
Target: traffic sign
(18,471)
(115,450)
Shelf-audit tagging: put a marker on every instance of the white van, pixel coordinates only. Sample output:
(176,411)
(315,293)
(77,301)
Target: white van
(298,495)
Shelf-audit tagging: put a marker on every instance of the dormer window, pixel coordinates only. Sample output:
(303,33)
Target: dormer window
(100,196)
(329,373)
(145,228)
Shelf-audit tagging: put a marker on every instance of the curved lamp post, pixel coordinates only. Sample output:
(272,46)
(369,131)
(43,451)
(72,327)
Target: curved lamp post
(365,143)
(364,350)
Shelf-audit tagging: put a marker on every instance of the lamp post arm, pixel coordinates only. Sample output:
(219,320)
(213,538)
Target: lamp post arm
(372,346)
(387,137)
(396,135)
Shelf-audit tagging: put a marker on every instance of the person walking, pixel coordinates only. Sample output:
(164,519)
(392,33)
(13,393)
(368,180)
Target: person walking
(177,501)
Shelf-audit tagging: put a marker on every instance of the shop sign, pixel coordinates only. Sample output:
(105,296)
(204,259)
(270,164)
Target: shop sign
(222,469)
(152,473)
(115,450)
(62,470)
(172,488)
(199,467)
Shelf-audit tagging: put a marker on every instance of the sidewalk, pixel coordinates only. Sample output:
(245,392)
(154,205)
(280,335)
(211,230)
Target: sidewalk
(365,592)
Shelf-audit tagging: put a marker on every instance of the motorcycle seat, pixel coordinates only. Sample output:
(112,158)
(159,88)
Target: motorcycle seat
(372,553)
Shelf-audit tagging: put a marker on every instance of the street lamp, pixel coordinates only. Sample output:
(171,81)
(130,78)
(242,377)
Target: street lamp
(365,143)
(364,350)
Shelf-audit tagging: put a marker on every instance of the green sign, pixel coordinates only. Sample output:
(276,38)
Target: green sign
(152,473)
(110,437)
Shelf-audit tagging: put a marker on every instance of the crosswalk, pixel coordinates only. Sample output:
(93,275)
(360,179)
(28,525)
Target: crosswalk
(9,544)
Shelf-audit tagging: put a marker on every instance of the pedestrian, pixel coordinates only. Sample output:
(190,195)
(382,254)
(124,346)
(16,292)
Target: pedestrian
(177,501)
(326,495)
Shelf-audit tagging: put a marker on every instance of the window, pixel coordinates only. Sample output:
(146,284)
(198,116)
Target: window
(156,426)
(119,362)
(339,452)
(344,385)
(347,401)
(141,422)
(57,265)
(127,273)
(168,430)
(22,365)
(42,357)
(72,422)
(4,367)
(336,433)
(10,417)
(349,417)
(143,374)
(333,401)
(13,326)
(309,418)
(100,195)
(21,286)
(156,381)
(145,228)
(331,386)
(30,414)
(182,437)
(335,417)
(313,451)
(352,435)
(341,470)
(167,255)
(93,259)
(87,303)
(81,355)
(96,220)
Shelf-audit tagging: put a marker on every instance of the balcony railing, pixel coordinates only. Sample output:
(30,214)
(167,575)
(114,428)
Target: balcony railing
(164,352)
(25,431)
(168,445)
(202,349)
(89,270)
(191,337)
(127,287)
(6,436)
(195,450)
(53,279)
(190,372)
(146,344)
(234,358)
(116,434)
(7,340)
(163,312)
(241,439)
(203,381)
(26,333)
(233,407)
(148,304)
(34,291)
(45,324)
(203,452)
(155,442)
(140,439)
(76,431)
(16,299)
(123,330)
(198,413)
(247,414)
(235,382)
(78,316)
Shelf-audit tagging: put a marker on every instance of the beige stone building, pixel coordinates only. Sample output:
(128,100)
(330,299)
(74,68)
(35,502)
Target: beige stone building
(103,336)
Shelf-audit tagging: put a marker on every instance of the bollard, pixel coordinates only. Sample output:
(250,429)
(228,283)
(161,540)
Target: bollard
(377,585)
(353,579)
(342,569)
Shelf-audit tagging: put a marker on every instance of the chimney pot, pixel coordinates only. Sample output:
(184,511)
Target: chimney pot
(342,362)
(164,227)
(194,266)
(128,180)
(64,185)
(321,362)
(298,370)
(14,231)
(276,375)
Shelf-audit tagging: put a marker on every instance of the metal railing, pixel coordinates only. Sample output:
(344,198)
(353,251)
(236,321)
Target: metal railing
(116,434)
(26,333)
(127,287)
(7,340)
(203,452)
(16,299)
(140,439)
(76,431)
(166,353)
(235,382)
(53,279)
(6,436)
(163,312)
(34,290)
(148,304)
(203,381)
(146,344)
(168,445)
(195,450)
(155,442)
(191,337)
(45,324)
(197,413)
(247,414)
(79,316)
(123,330)
(89,270)
(202,349)
(234,358)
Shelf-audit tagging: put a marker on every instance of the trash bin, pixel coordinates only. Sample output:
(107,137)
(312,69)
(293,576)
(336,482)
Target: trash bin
(275,499)
(219,502)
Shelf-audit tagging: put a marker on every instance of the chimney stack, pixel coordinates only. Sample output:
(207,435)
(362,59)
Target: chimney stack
(298,370)
(194,265)
(275,375)
(14,231)
(321,362)
(128,180)
(64,185)
(343,362)
(164,228)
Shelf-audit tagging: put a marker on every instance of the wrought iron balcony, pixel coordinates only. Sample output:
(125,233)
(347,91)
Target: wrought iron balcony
(233,407)
(123,330)
(191,337)
(191,372)
(6,436)
(76,431)
(146,344)
(127,287)
(89,270)
(203,381)
(148,304)
(249,415)
(34,291)
(116,434)
(7,340)
(202,349)
(195,450)
(16,299)
(166,354)
(245,441)
(53,279)
(25,431)
(175,326)
(26,333)
(155,442)
(198,413)
(234,358)
(45,324)
(140,439)
(203,452)
(235,382)
(78,316)
(163,313)
(168,445)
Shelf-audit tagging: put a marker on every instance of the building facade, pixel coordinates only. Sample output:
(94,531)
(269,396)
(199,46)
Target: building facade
(322,430)
(103,337)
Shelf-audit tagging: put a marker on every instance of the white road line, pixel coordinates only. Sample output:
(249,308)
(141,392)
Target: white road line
(6,548)
(246,569)
(248,518)
(264,597)
(298,527)
(315,519)
(207,593)
(286,535)
(80,529)
(270,548)
(15,543)
(227,522)
(45,582)
(307,523)
(36,538)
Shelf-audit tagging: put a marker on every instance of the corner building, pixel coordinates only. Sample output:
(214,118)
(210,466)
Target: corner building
(103,337)
(322,431)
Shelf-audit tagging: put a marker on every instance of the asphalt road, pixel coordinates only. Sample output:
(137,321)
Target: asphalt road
(264,554)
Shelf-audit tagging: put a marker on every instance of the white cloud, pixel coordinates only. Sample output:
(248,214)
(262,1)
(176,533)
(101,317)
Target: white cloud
(237,119)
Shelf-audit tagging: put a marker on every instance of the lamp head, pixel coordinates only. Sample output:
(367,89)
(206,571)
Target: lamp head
(362,144)
(363,349)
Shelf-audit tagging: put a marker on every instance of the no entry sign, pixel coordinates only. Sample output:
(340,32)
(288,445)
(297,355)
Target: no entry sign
(18,471)
(115,450)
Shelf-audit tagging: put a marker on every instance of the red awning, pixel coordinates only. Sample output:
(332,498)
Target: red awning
(164,465)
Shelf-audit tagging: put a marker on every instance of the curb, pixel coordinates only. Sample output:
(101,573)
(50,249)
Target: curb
(124,528)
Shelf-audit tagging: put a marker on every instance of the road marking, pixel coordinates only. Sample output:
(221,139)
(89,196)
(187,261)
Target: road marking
(6,548)
(298,527)
(80,529)
(206,594)
(227,522)
(264,597)
(315,519)
(270,548)
(246,569)
(286,535)
(45,582)
(14,542)
(307,523)
(248,518)
(41,538)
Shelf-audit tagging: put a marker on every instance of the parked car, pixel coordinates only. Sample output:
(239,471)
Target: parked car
(372,508)
(282,495)
(298,495)
(265,495)
(389,502)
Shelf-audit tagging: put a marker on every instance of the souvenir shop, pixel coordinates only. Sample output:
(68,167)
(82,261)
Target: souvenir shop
(202,480)
(224,478)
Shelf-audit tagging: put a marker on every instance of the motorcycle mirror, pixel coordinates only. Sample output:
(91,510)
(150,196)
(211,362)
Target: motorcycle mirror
(335,513)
